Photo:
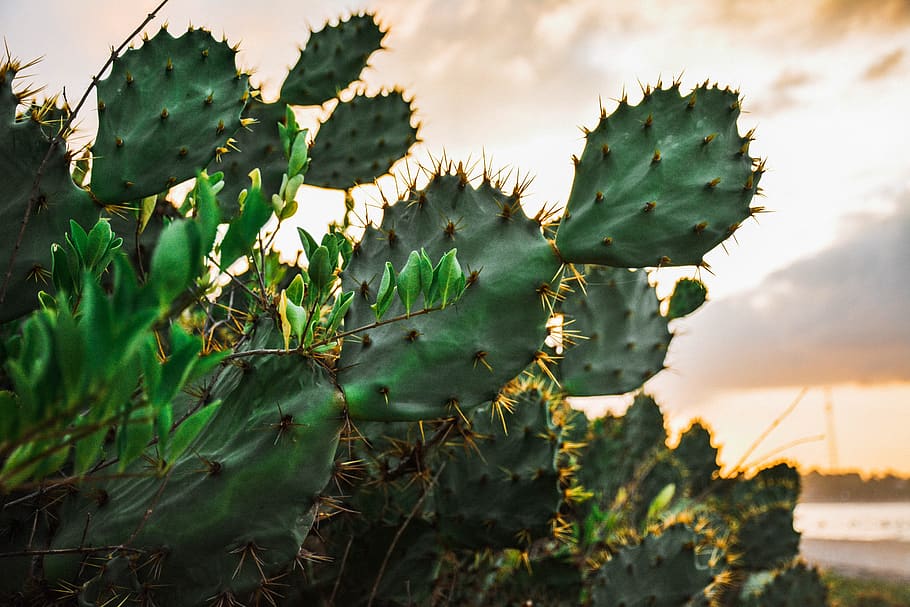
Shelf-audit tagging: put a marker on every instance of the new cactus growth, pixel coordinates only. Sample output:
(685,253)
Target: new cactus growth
(387,422)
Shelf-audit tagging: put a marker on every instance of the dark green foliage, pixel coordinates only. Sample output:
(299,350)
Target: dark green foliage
(766,539)
(665,570)
(510,471)
(623,338)
(25,145)
(274,435)
(660,183)
(164,112)
(393,372)
(380,424)
(795,586)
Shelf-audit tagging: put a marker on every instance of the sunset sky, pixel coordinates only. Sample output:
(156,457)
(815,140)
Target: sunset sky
(815,295)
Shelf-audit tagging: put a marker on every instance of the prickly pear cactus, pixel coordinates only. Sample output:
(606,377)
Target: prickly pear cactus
(388,421)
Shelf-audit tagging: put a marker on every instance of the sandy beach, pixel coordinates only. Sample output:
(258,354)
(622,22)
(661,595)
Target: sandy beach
(873,559)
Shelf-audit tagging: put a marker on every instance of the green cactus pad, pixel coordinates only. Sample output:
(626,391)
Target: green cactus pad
(665,570)
(361,140)
(698,458)
(660,183)
(688,295)
(621,450)
(766,538)
(796,586)
(332,59)
(512,477)
(624,337)
(24,143)
(164,112)
(238,506)
(431,365)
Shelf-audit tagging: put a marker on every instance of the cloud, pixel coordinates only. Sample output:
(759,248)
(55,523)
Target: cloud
(840,316)
(885,66)
(839,16)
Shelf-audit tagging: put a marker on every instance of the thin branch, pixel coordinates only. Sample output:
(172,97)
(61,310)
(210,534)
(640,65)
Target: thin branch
(57,139)
(336,336)
(400,532)
(53,551)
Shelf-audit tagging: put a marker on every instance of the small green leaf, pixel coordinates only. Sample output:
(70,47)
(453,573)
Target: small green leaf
(175,260)
(187,431)
(98,240)
(146,209)
(208,214)
(298,160)
(244,229)
(321,269)
(448,278)
(79,239)
(308,242)
(426,278)
(339,309)
(295,290)
(409,281)
(89,450)
(660,502)
(163,425)
(133,436)
(386,291)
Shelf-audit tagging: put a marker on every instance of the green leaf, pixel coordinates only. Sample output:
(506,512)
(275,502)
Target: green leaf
(295,290)
(163,426)
(15,470)
(98,240)
(187,431)
(321,269)
(79,238)
(660,502)
(244,229)
(208,214)
(60,271)
(409,281)
(339,309)
(426,278)
(88,450)
(298,160)
(448,278)
(133,436)
(308,242)
(175,261)
(386,291)
(70,353)
(146,209)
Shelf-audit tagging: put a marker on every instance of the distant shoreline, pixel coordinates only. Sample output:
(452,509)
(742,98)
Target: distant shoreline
(885,559)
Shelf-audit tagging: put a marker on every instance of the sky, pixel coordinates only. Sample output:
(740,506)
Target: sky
(814,295)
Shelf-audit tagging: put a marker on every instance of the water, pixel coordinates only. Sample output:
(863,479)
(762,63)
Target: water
(854,521)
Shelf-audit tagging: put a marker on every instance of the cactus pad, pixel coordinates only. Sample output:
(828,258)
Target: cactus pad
(660,183)
(494,331)
(624,337)
(164,112)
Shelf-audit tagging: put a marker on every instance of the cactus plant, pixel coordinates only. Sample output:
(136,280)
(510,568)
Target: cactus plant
(177,431)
